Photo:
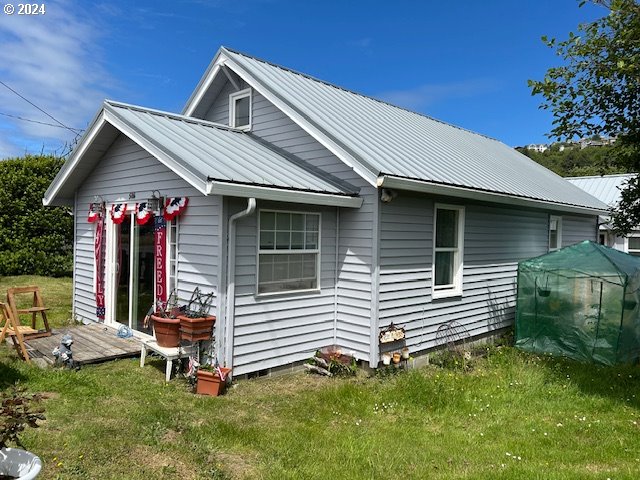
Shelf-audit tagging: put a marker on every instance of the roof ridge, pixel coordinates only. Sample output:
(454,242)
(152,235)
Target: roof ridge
(174,116)
(602,176)
(344,89)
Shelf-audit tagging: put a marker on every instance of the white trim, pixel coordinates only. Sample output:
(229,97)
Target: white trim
(455,289)
(205,82)
(281,195)
(233,98)
(317,251)
(558,220)
(469,193)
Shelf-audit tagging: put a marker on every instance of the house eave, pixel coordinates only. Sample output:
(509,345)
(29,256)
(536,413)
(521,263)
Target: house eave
(389,181)
(230,189)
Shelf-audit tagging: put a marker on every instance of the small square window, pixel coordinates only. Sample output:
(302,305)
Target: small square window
(240,109)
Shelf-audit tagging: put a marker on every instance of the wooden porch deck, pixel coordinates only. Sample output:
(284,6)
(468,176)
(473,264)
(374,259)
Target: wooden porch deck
(92,343)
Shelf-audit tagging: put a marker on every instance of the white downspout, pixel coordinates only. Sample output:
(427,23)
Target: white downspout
(231,279)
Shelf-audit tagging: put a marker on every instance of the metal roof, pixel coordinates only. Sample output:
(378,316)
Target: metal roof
(385,139)
(605,188)
(217,152)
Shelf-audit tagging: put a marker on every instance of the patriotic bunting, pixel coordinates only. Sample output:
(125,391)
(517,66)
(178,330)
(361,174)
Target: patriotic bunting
(142,214)
(94,215)
(118,212)
(174,207)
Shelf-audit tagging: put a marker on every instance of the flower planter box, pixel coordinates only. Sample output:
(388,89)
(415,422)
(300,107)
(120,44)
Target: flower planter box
(195,329)
(167,331)
(210,383)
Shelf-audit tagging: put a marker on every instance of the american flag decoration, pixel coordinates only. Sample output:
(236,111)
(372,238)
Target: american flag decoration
(118,212)
(174,207)
(94,212)
(142,214)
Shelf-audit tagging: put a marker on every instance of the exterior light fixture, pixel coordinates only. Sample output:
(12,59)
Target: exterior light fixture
(154,204)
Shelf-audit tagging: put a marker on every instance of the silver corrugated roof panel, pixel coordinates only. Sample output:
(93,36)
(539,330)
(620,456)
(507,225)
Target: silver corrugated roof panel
(390,140)
(605,188)
(215,152)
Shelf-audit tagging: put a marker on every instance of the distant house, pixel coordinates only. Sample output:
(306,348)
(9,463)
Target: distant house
(607,189)
(319,216)
(541,147)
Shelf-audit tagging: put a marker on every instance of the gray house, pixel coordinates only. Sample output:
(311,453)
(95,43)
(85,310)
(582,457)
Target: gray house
(319,216)
(607,189)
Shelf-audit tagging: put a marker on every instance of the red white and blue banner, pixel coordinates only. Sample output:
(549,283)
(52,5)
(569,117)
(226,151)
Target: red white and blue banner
(97,248)
(174,206)
(93,213)
(142,214)
(118,212)
(160,267)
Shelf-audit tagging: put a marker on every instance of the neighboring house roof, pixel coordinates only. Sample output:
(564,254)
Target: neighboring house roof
(604,187)
(391,146)
(215,159)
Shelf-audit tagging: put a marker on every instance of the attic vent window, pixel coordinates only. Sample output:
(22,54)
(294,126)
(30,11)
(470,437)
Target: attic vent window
(240,109)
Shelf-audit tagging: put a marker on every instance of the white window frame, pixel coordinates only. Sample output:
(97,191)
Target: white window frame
(558,220)
(172,256)
(631,251)
(454,289)
(233,98)
(315,251)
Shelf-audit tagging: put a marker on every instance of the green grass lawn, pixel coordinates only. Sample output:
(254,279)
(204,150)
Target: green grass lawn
(512,416)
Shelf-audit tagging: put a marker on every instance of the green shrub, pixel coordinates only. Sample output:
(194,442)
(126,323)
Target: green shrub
(34,239)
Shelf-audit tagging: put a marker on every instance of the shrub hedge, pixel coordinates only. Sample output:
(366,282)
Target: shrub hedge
(34,239)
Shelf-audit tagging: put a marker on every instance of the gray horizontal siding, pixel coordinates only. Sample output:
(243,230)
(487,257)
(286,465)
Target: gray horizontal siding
(576,229)
(276,330)
(125,168)
(496,238)
(355,229)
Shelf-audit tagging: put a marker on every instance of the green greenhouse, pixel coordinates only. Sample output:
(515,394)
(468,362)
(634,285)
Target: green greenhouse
(581,302)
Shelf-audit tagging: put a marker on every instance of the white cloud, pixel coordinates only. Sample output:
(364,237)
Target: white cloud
(54,61)
(424,95)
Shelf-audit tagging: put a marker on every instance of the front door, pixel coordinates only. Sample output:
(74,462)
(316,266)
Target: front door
(130,285)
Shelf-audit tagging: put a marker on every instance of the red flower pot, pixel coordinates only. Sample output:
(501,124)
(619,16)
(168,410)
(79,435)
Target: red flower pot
(194,329)
(167,331)
(210,383)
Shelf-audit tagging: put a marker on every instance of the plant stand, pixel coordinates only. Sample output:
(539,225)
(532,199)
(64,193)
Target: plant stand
(168,353)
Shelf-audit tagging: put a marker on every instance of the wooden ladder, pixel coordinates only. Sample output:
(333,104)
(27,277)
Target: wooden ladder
(10,328)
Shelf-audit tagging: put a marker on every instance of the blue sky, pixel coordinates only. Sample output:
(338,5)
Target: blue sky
(464,62)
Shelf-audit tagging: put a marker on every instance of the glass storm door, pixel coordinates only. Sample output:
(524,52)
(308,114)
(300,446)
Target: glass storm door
(131,249)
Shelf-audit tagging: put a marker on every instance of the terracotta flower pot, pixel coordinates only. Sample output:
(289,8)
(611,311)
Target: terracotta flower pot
(167,331)
(195,329)
(210,383)
(396,357)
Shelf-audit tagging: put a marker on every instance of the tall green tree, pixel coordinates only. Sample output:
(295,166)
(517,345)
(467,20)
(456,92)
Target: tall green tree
(597,92)
(33,239)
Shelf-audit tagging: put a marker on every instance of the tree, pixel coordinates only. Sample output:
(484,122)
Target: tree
(34,239)
(597,92)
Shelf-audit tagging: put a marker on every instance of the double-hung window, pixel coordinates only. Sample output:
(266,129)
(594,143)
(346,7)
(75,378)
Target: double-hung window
(288,252)
(240,109)
(555,233)
(633,246)
(447,251)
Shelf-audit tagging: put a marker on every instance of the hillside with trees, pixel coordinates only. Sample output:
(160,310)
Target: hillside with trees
(574,161)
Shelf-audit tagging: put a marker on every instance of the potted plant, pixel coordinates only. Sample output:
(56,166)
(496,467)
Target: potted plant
(405,353)
(166,325)
(16,414)
(212,380)
(195,322)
